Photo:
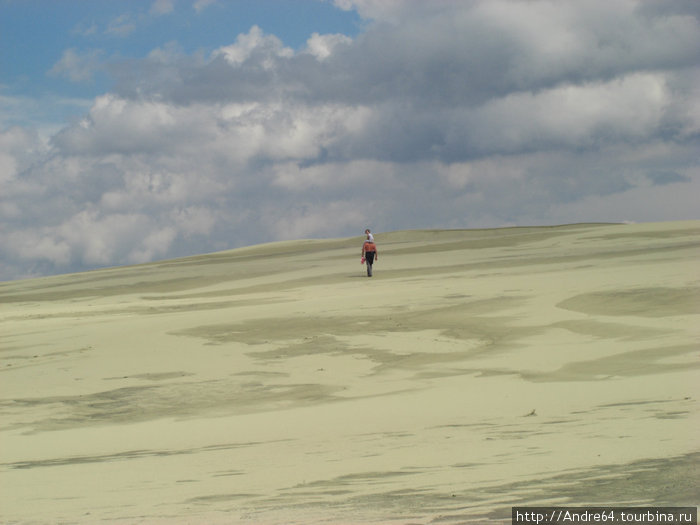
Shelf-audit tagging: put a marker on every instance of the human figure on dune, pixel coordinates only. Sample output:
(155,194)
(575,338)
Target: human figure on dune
(369,252)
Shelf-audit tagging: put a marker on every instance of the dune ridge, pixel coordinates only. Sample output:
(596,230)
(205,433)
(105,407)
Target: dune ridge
(478,369)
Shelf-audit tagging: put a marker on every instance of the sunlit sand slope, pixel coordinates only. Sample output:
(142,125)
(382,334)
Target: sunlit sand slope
(278,384)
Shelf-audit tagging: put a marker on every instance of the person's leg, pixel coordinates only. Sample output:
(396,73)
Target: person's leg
(370,260)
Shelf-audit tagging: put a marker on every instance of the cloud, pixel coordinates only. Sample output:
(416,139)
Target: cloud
(86,29)
(162,7)
(627,108)
(121,26)
(78,66)
(18,146)
(41,116)
(661,178)
(441,114)
(267,46)
(323,46)
(201,5)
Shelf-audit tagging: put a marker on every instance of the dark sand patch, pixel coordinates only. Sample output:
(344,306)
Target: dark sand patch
(647,361)
(34,356)
(473,324)
(461,320)
(221,498)
(125,456)
(642,302)
(162,376)
(149,402)
(608,330)
(651,482)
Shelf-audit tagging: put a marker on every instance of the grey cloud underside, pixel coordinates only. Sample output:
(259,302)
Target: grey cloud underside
(429,82)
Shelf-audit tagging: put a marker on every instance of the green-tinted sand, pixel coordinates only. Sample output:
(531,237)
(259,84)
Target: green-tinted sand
(278,384)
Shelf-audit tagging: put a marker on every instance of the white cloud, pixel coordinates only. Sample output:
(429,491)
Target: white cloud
(626,108)
(254,40)
(121,26)
(154,245)
(77,66)
(201,5)
(32,245)
(86,29)
(322,46)
(381,10)
(18,146)
(162,7)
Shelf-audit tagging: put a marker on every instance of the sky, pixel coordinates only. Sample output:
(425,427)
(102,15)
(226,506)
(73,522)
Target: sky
(134,131)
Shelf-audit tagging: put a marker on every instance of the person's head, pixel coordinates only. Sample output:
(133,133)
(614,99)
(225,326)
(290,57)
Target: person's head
(367,232)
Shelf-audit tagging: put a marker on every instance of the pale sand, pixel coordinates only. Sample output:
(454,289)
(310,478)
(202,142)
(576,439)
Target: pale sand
(278,384)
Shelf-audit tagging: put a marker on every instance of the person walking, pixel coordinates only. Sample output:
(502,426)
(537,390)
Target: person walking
(369,253)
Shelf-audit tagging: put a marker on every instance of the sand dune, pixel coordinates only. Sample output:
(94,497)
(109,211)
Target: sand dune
(278,384)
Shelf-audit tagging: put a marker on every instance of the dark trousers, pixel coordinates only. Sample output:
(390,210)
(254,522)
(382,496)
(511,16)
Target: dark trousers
(369,260)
